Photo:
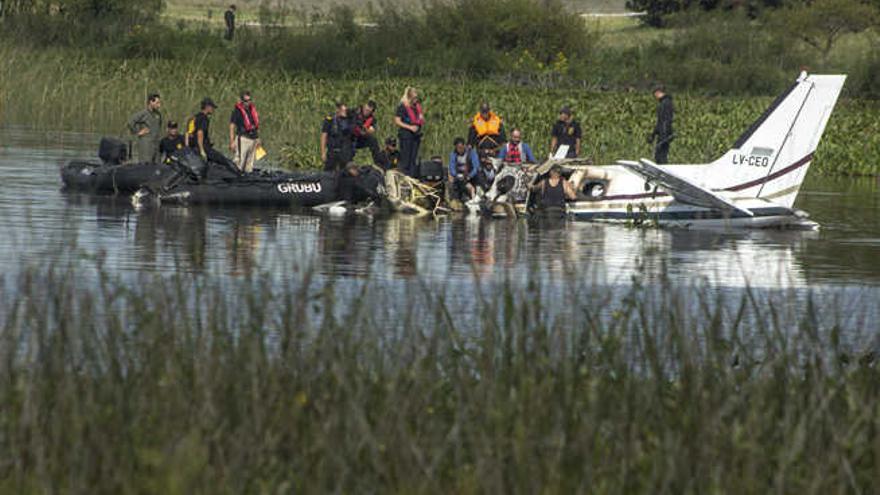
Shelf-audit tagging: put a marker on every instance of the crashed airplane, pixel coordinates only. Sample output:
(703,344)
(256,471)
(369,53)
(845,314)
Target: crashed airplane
(754,184)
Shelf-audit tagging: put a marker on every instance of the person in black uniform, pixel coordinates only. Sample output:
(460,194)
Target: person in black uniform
(364,131)
(198,134)
(337,146)
(229,17)
(171,143)
(662,133)
(390,156)
(566,131)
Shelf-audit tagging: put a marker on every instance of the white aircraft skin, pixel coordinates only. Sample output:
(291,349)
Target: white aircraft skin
(753,185)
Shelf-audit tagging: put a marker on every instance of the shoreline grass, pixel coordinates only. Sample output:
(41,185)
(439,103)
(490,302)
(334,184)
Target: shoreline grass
(184,384)
(73,90)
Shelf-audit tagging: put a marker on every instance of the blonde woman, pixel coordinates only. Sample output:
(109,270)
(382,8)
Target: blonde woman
(409,120)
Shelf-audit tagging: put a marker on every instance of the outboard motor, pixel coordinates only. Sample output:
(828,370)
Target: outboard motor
(432,170)
(112,151)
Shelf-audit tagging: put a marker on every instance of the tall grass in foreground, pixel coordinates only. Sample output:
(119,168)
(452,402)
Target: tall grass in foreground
(193,385)
(72,90)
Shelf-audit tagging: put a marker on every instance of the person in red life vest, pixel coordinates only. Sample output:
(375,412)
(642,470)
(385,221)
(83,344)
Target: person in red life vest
(410,121)
(516,152)
(487,130)
(364,131)
(244,138)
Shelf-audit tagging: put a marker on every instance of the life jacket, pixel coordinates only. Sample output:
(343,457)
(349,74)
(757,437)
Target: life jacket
(463,163)
(491,127)
(362,124)
(251,119)
(414,114)
(514,153)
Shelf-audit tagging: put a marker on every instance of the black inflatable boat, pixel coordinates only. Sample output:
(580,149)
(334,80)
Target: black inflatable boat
(266,188)
(110,175)
(217,184)
(101,178)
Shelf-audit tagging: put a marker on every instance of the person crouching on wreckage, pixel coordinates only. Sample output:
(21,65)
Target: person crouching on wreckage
(464,164)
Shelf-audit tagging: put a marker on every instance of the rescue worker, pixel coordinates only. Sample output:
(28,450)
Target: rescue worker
(146,125)
(244,128)
(464,165)
(487,130)
(555,190)
(566,131)
(365,130)
(336,138)
(663,128)
(198,135)
(171,143)
(390,156)
(229,18)
(409,119)
(516,152)
(351,186)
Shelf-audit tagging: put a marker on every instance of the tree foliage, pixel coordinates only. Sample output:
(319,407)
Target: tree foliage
(821,23)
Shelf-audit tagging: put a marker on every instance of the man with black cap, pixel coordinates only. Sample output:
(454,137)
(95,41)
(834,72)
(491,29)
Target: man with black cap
(390,156)
(244,133)
(146,125)
(171,143)
(198,134)
(487,129)
(337,146)
(566,131)
(663,128)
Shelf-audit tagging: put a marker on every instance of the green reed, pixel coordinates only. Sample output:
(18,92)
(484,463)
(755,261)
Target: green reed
(267,384)
(66,89)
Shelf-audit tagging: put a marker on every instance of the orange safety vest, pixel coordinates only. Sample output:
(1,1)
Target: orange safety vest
(491,127)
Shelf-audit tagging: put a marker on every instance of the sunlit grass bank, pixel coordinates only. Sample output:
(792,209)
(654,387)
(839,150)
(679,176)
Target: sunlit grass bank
(184,384)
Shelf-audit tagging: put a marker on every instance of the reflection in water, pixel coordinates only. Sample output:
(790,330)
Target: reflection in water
(40,222)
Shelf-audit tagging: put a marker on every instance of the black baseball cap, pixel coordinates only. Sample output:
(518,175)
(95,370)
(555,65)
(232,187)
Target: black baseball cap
(208,102)
(565,109)
(391,141)
(172,124)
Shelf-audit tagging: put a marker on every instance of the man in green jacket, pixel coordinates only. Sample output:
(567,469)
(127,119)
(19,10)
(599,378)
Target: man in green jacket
(146,125)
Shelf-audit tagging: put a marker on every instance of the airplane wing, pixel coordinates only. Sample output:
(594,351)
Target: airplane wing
(682,189)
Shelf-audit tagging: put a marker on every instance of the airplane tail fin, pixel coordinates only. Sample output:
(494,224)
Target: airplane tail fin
(770,160)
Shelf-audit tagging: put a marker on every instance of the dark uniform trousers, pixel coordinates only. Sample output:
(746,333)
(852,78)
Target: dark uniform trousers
(369,141)
(661,152)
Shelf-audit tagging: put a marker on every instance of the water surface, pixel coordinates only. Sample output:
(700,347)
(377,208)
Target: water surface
(42,224)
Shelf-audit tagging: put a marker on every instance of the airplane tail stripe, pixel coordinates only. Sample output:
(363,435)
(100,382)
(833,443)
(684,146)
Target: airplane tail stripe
(739,187)
(775,175)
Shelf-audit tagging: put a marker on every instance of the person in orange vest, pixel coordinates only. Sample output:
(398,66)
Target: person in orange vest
(487,130)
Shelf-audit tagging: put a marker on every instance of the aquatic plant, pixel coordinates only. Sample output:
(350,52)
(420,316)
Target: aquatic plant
(268,384)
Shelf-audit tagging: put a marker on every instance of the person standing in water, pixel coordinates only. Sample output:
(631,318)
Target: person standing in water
(409,120)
